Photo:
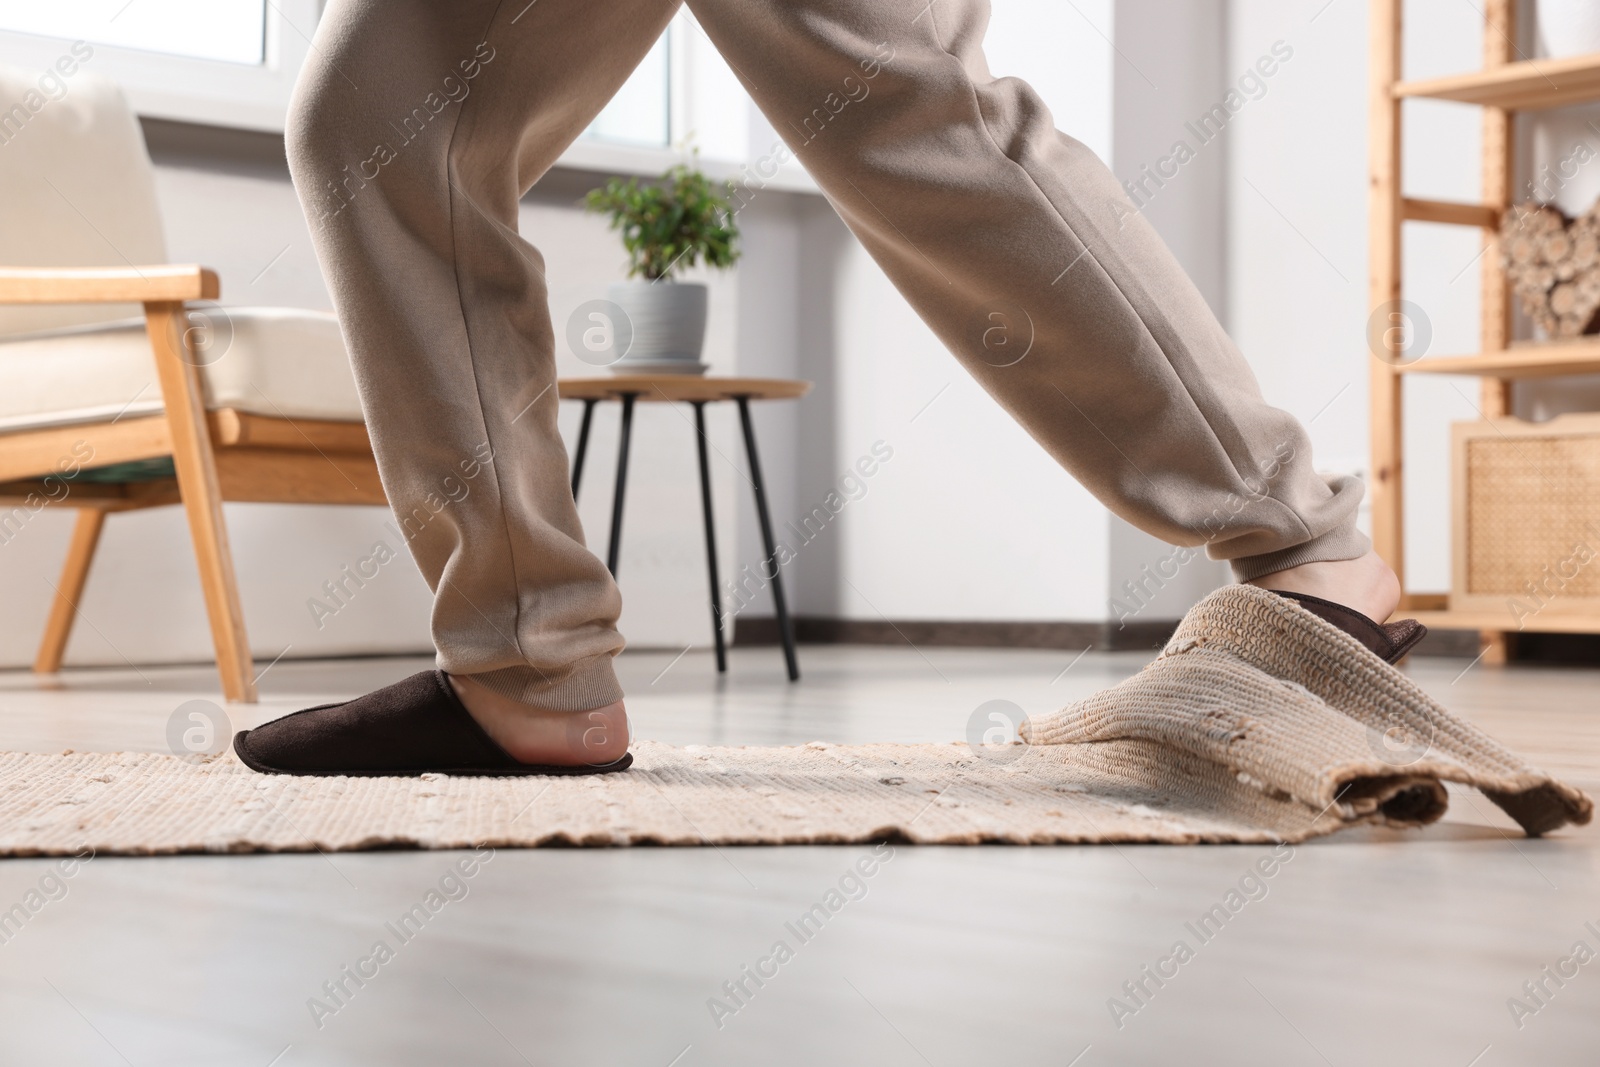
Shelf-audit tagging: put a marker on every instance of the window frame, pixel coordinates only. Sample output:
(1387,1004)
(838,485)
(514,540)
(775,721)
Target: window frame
(186,89)
(256,96)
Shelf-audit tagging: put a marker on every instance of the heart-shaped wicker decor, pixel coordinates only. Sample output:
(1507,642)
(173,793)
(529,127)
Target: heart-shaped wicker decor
(1553,263)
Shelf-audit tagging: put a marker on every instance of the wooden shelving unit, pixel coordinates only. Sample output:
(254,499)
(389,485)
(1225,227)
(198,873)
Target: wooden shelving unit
(1501,89)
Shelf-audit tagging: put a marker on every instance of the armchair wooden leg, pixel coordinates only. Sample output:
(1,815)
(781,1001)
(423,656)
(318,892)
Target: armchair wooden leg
(64,609)
(202,496)
(221,589)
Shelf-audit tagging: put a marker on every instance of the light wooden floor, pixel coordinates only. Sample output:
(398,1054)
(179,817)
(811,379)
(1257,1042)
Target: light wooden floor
(1368,948)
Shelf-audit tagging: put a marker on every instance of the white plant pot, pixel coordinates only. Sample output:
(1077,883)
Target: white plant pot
(669,326)
(1568,27)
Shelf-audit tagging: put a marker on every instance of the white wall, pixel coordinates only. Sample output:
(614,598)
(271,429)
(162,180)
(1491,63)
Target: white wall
(1297,238)
(1065,52)
(1169,69)
(1296,209)
(969,519)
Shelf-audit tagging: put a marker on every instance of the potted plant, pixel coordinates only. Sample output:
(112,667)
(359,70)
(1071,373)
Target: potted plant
(668,225)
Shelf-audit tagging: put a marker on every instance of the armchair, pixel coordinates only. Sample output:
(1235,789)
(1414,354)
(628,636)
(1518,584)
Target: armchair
(105,411)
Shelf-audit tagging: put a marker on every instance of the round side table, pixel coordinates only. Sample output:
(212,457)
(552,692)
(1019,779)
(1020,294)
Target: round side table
(696,391)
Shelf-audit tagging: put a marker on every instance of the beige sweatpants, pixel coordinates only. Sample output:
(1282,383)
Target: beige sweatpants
(419,123)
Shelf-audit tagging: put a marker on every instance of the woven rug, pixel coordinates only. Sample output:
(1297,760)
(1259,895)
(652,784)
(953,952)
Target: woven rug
(1258,723)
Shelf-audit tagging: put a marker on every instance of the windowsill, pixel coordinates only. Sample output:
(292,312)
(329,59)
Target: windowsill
(226,147)
(630,160)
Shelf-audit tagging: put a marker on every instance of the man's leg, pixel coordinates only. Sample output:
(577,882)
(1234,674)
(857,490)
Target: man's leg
(417,126)
(1020,249)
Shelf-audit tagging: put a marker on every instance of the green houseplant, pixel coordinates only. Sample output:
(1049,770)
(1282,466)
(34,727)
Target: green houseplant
(668,225)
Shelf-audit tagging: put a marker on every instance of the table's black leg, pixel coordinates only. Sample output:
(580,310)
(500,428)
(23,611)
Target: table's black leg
(785,625)
(622,483)
(711,536)
(583,445)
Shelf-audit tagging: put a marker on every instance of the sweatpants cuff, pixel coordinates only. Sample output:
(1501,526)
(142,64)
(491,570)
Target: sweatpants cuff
(590,684)
(1347,542)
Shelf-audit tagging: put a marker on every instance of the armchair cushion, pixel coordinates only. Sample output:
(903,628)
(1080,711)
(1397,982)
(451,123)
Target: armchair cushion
(279,362)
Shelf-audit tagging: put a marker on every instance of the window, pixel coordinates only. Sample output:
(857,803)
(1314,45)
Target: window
(641,112)
(227,31)
(218,62)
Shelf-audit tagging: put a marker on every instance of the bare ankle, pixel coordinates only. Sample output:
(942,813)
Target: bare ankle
(1366,583)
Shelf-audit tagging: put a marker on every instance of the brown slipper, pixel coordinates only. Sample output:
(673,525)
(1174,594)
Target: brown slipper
(416,726)
(1391,641)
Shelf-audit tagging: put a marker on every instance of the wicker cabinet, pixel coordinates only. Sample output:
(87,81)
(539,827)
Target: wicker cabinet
(1526,524)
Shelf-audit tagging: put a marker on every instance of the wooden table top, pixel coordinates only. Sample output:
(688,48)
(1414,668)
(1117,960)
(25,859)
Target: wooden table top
(680,387)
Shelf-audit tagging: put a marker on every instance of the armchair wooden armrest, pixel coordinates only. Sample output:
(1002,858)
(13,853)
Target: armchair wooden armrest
(163,283)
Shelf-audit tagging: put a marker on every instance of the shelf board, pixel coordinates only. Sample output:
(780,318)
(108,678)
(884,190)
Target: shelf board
(1525,86)
(1481,216)
(1543,623)
(1522,361)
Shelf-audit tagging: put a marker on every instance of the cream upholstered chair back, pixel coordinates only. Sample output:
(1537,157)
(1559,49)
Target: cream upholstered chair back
(76,189)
